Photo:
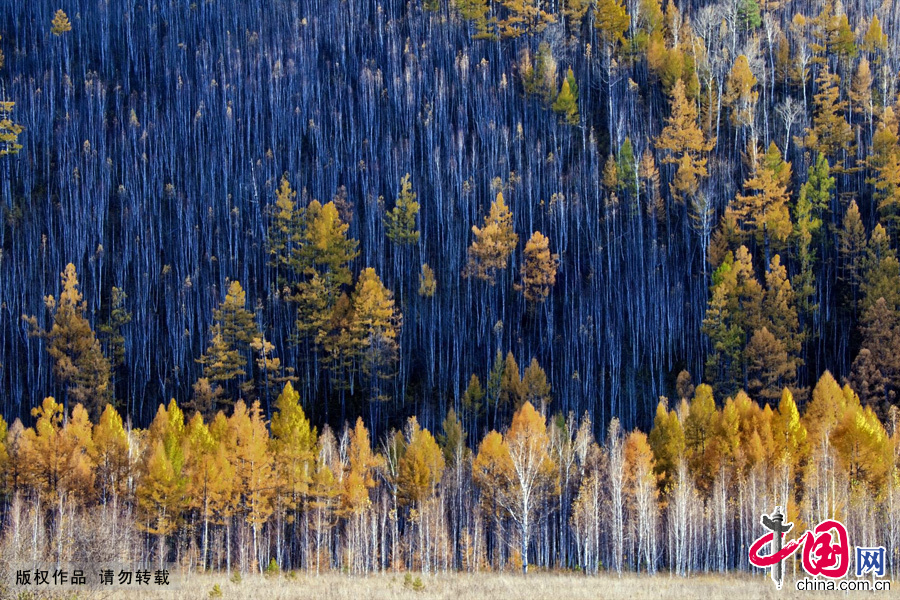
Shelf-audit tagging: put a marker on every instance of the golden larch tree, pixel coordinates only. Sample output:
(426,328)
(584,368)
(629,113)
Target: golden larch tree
(764,206)
(477,12)
(209,476)
(78,360)
(780,309)
(9,130)
(830,133)
(60,23)
(359,478)
(538,270)
(701,454)
(864,450)
(769,365)
(374,329)
(491,469)
(666,439)
(225,360)
(294,449)
(874,40)
(56,458)
(326,247)
(612,21)
(493,243)
(160,492)
(253,468)
(510,391)
(535,388)
(110,453)
(421,466)
(740,94)
(284,232)
(427,282)
(860,93)
(684,144)
(400,221)
(525,17)
(884,161)
(788,433)
(566,103)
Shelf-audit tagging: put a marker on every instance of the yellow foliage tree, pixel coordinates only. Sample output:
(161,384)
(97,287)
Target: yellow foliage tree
(884,161)
(539,269)
(535,388)
(400,222)
(55,460)
(825,410)
(477,11)
(219,461)
(374,328)
(110,453)
(9,130)
(252,460)
(284,234)
(863,447)
(360,471)
(421,466)
(160,491)
(78,446)
(684,144)
(764,208)
(490,473)
(493,244)
(666,439)
(861,90)
(235,329)
(427,282)
(789,432)
(60,23)
(642,493)
(326,247)
(293,446)
(78,360)
(210,476)
(525,17)
(830,133)
(874,39)
(740,95)
(701,453)
(611,20)
(566,103)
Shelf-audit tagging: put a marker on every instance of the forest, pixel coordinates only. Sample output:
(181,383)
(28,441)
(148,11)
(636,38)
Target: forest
(447,284)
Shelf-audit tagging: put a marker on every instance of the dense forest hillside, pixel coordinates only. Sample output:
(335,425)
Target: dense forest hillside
(380,200)
(360,285)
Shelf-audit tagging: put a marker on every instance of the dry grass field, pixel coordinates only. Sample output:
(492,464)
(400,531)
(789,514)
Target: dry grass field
(538,586)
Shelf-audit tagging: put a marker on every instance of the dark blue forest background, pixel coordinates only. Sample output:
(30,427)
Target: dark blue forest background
(156,134)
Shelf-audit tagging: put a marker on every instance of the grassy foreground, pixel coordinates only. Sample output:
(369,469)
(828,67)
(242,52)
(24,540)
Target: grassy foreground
(549,586)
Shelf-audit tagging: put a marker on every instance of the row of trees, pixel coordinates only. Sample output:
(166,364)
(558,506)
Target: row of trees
(242,492)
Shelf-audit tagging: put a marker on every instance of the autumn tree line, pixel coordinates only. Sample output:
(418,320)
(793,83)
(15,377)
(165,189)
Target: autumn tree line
(240,492)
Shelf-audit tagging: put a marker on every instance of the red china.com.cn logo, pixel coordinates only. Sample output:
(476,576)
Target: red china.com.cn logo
(826,553)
